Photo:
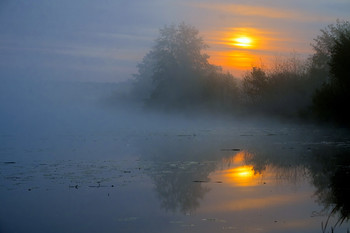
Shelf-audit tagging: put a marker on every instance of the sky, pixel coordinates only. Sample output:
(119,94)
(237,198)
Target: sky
(104,40)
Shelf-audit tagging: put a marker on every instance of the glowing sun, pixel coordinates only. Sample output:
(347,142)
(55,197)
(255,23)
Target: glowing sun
(242,41)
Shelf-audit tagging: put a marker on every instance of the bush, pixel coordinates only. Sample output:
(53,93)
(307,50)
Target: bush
(282,90)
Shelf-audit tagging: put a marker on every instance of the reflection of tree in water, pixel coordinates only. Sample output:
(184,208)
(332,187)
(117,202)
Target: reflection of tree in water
(285,165)
(327,166)
(180,182)
(180,186)
(331,176)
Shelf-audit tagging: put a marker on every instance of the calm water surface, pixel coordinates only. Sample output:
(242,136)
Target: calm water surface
(69,166)
(292,179)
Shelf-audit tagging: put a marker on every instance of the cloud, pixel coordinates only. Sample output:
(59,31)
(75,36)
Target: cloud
(124,31)
(122,54)
(68,60)
(267,12)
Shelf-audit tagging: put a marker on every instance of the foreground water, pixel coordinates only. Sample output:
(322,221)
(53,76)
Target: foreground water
(257,180)
(95,171)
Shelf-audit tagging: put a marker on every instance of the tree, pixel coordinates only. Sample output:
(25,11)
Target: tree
(255,83)
(323,45)
(280,90)
(176,73)
(331,100)
(340,61)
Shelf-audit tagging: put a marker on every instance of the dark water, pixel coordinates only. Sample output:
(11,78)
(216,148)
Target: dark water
(87,170)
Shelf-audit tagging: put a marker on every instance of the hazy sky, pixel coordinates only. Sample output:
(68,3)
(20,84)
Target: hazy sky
(103,40)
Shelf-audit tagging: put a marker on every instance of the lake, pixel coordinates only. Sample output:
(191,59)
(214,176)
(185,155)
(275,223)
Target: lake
(71,167)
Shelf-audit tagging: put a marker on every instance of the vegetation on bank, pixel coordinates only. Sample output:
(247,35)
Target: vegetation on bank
(331,101)
(176,75)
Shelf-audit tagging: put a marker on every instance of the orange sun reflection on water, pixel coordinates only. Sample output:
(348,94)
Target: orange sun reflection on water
(240,174)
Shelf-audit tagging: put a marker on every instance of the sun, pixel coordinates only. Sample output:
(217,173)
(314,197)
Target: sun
(242,41)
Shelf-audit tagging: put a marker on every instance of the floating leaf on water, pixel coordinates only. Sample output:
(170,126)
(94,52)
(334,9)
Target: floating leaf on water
(9,162)
(14,178)
(192,163)
(231,149)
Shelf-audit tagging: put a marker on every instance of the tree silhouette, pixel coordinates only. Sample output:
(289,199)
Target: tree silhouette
(177,74)
(323,45)
(281,90)
(255,83)
(330,101)
(340,61)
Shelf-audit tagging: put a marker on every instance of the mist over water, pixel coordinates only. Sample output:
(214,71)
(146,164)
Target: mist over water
(107,127)
(58,117)
(130,168)
(68,120)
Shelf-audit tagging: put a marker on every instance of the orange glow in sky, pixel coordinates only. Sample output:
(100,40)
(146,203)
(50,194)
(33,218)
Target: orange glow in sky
(238,49)
(242,34)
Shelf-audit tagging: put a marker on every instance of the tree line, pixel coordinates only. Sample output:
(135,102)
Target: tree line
(175,75)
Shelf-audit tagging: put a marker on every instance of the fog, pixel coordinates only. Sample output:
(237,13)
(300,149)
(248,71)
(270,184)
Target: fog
(75,120)
(72,142)
(67,120)
(56,117)
(179,143)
